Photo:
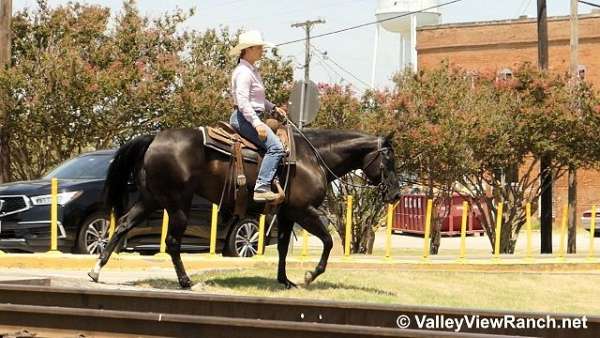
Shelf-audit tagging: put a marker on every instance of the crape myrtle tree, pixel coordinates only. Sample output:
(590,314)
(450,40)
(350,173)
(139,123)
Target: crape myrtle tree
(341,108)
(482,137)
(82,79)
(426,110)
(515,123)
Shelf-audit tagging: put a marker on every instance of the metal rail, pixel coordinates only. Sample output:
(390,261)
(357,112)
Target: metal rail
(226,315)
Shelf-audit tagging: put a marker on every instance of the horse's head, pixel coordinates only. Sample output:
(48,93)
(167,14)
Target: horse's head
(380,169)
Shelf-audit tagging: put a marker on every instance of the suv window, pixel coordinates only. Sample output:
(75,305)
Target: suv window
(83,167)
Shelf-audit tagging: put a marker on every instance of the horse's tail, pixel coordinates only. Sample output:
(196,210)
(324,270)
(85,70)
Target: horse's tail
(121,170)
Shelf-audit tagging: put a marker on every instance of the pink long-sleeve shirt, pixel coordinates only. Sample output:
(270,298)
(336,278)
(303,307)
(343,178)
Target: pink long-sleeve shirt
(249,92)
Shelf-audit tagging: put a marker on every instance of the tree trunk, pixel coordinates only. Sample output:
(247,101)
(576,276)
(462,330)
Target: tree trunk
(572,239)
(5,52)
(368,241)
(507,243)
(4,155)
(436,234)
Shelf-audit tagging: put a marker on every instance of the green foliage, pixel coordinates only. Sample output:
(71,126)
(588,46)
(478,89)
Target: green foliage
(81,80)
(341,109)
(483,137)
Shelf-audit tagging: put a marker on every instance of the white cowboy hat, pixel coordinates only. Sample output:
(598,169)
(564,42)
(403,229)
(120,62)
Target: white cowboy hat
(249,39)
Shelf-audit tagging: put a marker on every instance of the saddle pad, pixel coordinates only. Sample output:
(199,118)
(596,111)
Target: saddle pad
(219,139)
(219,145)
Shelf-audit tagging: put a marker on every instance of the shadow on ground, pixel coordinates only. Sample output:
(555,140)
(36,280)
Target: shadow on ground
(257,282)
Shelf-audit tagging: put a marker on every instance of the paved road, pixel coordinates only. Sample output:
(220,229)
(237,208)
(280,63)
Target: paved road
(478,244)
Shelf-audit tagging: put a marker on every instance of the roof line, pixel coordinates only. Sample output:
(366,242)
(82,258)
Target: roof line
(505,22)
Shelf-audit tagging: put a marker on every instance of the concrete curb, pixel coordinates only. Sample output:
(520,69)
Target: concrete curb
(205,262)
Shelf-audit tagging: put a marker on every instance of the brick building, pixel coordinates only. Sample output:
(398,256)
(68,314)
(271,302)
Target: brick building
(495,45)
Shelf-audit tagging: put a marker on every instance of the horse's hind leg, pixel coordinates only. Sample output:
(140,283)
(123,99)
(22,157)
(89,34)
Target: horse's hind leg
(313,224)
(177,224)
(132,218)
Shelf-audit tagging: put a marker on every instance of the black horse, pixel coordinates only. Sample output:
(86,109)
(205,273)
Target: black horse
(172,166)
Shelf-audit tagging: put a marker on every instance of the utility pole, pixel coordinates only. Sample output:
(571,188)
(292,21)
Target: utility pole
(572,178)
(545,161)
(307,25)
(5,44)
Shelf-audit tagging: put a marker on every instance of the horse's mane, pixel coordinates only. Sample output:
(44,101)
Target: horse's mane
(321,137)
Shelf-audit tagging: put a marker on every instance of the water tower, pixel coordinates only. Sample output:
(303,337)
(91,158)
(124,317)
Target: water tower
(405,26)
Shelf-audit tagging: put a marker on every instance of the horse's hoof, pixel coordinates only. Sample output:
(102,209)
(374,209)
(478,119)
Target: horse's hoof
(94,276)
(308,278)
(288,284)
(185,283)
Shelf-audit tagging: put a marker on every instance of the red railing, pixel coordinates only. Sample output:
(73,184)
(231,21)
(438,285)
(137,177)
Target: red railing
(409,216)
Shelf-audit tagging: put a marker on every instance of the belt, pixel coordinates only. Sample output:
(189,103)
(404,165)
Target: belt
(258,112)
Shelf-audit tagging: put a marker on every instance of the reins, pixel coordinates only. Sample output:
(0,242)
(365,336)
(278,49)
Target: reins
(324,164)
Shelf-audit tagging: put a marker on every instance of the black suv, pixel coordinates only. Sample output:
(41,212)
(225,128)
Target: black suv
(83,226)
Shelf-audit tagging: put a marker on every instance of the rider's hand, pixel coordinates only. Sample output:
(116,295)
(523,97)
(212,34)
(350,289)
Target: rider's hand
(281,111)
(261,129)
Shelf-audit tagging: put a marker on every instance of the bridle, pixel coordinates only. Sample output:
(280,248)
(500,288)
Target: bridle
(380,150)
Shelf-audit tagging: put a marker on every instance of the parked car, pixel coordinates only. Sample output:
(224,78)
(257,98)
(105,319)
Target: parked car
(83,225)
(585,221)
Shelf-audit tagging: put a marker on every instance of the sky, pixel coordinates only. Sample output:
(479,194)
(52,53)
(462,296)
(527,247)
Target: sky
(349,56)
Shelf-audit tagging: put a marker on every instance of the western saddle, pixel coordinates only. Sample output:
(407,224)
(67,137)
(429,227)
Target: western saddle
(226,140)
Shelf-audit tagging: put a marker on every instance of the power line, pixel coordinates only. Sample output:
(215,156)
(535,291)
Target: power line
(370,23)
(590,3)
(328,58)
(524,7)
(227,3)
(320,63)
(286,14)
(326,66)
(521,7)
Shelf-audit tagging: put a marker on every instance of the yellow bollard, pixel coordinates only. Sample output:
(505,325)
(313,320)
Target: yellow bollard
(163,235)
(53,216)
(528,225)
(388,231)
(213,230)
(348,226)
(563,232)
(261,235)
(426,244)
(111,225)
(592,231)
(498,230)
(463,229)
(304,243)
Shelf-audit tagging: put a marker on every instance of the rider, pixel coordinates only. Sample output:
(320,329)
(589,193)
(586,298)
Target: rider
(250,104)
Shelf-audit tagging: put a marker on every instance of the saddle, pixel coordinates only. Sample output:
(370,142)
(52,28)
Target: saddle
(226,140)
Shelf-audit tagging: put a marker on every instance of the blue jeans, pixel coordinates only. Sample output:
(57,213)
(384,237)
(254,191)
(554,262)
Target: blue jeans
(272,145)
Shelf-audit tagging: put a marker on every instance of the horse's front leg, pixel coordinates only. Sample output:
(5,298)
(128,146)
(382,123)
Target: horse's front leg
(283,242)
(313,224)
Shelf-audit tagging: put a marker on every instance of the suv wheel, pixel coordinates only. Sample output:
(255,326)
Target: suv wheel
(243,239)
(93,234)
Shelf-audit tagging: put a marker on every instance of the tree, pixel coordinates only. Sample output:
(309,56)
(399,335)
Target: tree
(459,132)
(425,110)
(341,109)
(81,80)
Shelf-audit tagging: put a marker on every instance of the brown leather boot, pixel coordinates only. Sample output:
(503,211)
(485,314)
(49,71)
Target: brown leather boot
(264,195)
